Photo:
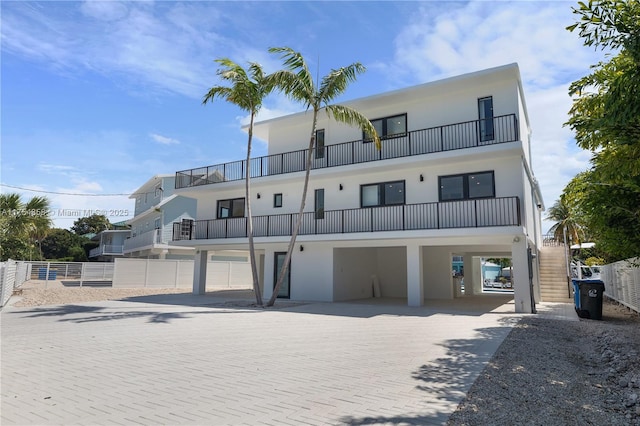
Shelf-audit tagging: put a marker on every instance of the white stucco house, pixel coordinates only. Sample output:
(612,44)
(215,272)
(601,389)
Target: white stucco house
(157,207)
(453,178)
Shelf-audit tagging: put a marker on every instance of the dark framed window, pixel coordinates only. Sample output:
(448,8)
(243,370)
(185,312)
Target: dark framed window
(467,186)
(277,200)
(319,203)
(485,115)
(319,143)
(231,208)
(389,127)
(382,194)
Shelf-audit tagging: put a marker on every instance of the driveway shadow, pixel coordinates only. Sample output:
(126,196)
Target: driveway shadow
(447,379)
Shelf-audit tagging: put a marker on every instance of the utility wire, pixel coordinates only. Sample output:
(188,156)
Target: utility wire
(69,193)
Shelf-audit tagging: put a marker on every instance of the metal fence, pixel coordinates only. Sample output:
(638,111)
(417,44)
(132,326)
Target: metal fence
(12,275)
(453,214)
(549,240)
(435,139)
(622,282)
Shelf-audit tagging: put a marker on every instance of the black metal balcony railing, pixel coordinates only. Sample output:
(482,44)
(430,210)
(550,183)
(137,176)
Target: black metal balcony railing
(444,215)
(425,141)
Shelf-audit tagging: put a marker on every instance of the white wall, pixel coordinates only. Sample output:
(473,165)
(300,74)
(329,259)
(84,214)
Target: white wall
(352,270)
(507,172)
(448,102)
(311,277)
(391,269)
(437,273)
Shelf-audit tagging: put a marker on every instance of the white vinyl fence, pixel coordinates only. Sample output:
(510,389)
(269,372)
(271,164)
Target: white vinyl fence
(622,282)
(12,275)
(170,273)
(73,271)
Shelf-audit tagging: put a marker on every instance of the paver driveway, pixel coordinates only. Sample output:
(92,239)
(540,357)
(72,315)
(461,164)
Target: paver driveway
(171,360)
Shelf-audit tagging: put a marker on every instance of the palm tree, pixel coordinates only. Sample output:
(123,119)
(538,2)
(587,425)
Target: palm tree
(566,221)
(21,225)
(39,222)
(247,90)
(297,82)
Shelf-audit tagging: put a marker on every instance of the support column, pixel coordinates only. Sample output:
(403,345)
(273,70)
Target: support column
(470,281)
(415,288)
(520,279)
(200,272)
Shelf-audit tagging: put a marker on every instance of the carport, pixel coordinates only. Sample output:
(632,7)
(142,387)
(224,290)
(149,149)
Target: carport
(369,272)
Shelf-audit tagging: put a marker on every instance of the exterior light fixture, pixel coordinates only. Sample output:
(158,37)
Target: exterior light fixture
(258,195)
(301,248)
(421,178)
(340,186)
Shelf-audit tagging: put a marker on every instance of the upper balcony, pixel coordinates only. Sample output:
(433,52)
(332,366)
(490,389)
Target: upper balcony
(469,134)
(145,239)
(106,250)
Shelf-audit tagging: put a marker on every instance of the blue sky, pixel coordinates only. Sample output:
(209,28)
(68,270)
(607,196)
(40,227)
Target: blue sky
(97,97)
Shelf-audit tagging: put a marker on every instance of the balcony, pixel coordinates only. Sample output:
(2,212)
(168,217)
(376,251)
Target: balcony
(106,249)
(435,139)
(487,212)
(145,239)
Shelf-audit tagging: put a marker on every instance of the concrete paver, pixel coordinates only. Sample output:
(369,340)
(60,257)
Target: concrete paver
(186,360)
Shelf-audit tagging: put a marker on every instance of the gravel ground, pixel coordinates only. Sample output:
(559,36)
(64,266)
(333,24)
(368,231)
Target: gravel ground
(546,372)
(549,372)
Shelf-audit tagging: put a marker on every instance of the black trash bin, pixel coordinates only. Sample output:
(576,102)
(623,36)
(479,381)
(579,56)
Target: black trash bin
(589,298)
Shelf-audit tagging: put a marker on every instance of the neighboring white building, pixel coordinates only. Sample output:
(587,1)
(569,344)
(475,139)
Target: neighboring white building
(453,178)
(157,207)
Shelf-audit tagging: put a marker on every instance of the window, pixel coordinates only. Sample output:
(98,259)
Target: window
(277,200)
(231,208)
(485,114)
(320,143)
(467,186)
(158,191)
(389,127)
(319,203)
(382,194)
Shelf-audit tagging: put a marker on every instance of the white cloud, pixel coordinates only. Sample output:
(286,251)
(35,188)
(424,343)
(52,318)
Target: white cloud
(487,34)
(164,140)
(162,47)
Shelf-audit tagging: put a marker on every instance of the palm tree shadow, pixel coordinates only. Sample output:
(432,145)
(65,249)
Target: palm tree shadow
(446,380)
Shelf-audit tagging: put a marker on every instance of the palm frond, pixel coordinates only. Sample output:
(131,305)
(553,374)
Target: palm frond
(351,117)
(336,82)
(294,63)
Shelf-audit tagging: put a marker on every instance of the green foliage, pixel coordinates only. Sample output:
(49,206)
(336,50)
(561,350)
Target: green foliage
(568,220)
(297,82)
(95,224)
(605,117)
(504,262)
(591,261)
(22,226)
(62,243)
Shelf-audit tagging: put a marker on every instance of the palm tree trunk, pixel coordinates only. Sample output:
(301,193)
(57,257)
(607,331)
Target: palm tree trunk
(252,250)
(296,229)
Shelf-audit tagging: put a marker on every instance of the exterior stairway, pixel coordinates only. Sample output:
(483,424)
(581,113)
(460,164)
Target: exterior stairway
(553,275)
